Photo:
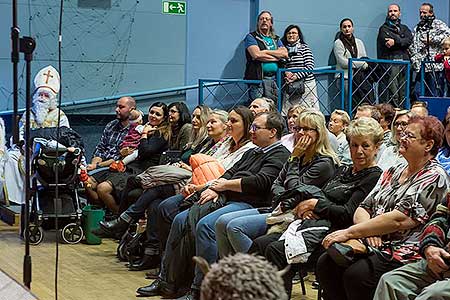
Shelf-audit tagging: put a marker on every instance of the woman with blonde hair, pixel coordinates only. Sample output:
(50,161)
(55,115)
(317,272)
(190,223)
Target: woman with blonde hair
(313,162)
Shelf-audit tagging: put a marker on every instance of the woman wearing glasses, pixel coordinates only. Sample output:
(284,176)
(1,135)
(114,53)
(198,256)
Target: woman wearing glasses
(312,163)
(391,217)
(391,156)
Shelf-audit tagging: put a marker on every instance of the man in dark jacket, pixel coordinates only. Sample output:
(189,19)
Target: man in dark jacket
(393,41)
(263,50)
(246,185)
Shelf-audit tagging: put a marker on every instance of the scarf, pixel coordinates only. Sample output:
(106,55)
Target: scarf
(349,44)
(393,24)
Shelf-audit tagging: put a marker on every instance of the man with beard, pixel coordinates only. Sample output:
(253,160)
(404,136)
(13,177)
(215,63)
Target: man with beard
(393,41)
(44,114)
(108,148)
(427,38)
(263,51)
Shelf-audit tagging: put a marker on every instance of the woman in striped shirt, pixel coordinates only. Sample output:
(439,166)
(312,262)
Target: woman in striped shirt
(300,57)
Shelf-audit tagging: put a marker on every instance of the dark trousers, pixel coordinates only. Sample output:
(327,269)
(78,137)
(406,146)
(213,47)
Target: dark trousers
(166,212)
(270,247)
(130,193)
(357,282)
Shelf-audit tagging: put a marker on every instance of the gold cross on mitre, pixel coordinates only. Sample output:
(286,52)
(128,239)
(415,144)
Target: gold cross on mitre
(48,74)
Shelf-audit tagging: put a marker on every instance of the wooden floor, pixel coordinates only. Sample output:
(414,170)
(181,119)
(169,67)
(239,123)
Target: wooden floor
(86,272)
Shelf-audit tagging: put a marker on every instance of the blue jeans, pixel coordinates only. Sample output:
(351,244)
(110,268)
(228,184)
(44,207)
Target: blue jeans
(236,231)
(205,242)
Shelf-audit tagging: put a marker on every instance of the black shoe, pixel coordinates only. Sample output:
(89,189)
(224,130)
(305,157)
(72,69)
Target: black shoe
(102,233)
(191,295)
(156,288)
(152,274)
(147,262)
(117,226)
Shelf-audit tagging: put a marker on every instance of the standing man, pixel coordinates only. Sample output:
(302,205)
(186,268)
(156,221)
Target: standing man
(393,41)
(263,50)
(427,38)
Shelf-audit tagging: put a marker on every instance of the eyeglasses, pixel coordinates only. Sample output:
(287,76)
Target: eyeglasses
(304,128)
(402,124)
(255,127)
(408,136)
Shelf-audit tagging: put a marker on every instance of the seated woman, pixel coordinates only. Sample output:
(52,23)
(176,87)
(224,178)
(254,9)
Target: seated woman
(443,156)
(345,47)
(289,140)
(312,163)
(180,125)
(391,217)
(155,138)
(390,156)
(300,87)
(227,152)
(339,199)
(198,140)
(339,121)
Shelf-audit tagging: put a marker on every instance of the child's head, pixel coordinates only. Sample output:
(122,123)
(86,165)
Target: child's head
(446,44)
(136,117)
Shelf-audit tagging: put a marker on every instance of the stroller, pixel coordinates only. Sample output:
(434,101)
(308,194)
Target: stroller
(49,159)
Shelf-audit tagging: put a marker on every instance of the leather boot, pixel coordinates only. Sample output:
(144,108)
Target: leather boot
(147,262)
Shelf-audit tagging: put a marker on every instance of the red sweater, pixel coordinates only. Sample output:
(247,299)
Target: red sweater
(440,58)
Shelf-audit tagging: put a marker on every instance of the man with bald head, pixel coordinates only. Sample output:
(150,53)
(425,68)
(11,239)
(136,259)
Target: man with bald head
(108,147)
(260,105)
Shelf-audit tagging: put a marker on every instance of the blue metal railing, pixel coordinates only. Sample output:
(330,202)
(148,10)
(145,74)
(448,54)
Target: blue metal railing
(320,70)
(100,100)
(376,61)
(202,83)
(423,83)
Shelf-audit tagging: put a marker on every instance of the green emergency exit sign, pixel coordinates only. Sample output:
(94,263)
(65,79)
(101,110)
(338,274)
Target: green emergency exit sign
(174,7)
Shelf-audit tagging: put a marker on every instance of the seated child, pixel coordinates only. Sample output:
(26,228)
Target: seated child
(128,148)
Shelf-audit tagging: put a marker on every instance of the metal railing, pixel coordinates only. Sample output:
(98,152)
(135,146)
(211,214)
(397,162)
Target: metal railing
(227,93)
(376,81)
(320,92)
(433,84)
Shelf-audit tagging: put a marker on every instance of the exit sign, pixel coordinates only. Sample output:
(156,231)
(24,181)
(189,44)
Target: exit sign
(174,7)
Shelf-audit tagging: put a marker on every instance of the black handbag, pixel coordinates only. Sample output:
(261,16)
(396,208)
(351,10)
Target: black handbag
(170,157)
(346,253)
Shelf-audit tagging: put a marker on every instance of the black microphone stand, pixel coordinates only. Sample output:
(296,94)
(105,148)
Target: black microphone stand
(15,61)
(24,45)
(27,46)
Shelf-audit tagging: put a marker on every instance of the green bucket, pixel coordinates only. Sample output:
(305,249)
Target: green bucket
(91,216)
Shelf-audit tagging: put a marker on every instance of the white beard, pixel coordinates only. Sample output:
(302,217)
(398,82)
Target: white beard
(40,109)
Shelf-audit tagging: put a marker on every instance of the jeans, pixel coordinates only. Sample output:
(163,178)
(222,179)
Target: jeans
(235,231)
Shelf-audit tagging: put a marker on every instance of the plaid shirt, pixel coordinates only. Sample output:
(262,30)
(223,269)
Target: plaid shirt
(112,137)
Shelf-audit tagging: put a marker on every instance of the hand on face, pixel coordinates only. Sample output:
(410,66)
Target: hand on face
(302,145)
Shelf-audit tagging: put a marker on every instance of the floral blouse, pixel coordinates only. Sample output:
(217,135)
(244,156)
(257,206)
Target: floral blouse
(417,198)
